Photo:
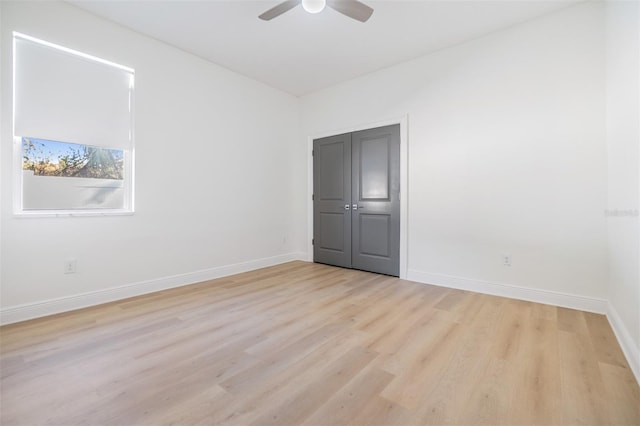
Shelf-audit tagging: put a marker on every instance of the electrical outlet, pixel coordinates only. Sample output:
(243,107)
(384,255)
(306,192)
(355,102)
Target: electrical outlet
(506,259)
(70,266)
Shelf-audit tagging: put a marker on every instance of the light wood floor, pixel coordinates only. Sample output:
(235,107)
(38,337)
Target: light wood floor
(311,344)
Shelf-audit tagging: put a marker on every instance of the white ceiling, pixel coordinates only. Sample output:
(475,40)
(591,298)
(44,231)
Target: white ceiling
(299,52)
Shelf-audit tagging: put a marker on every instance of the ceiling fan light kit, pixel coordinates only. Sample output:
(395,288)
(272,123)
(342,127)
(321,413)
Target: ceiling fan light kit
(354,9)
(314,6)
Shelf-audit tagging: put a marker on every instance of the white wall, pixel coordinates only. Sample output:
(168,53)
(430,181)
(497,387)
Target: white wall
(506,155)
(213,175)
(623,136)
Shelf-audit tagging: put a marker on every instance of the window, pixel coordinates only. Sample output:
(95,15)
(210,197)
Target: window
(73,131)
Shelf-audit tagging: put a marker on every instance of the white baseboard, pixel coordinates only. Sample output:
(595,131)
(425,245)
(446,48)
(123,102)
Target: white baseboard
(629,347)
(69,303)
(564,300)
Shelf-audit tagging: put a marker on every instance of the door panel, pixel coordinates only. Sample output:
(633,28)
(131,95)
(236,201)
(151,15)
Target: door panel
(374,169)
(376,189)
(374,234)
(331,231)
(332,183)
(332,192)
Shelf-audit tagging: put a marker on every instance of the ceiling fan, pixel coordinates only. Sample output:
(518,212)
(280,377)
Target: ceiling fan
(352,8)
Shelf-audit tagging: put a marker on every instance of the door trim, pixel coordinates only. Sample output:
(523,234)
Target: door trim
(404,180)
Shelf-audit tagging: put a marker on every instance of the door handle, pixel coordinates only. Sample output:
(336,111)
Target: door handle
(346,206)
(355,206)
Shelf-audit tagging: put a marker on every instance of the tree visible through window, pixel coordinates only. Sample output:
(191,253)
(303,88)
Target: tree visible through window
(52,158)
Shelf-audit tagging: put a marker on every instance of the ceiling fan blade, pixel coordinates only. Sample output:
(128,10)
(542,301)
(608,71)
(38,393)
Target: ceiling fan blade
(279,9)
(352,8)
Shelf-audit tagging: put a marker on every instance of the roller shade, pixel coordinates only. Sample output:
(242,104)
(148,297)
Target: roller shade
(61,95)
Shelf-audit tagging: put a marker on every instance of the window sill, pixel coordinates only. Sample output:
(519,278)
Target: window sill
(72,213)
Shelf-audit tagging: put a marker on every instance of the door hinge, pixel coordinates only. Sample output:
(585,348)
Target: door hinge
(312,241)
(312,152)
(312,197)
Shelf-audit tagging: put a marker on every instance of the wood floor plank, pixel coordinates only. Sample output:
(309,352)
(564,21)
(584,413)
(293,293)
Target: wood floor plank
(604,341)
(509,334)
(423,366)
(572,321)
(304,343)
(491,395)
(303,404)
(580,377)
(352,399)
(547,312)
(537,393)
(448,397)
(623,394)
(382,412)
(278,389)
(279,360)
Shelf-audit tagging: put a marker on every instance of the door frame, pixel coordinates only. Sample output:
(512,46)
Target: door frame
(404,180)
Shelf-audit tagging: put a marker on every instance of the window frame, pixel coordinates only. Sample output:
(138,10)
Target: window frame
(129,154)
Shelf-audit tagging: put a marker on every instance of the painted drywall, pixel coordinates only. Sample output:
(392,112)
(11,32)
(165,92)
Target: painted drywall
(213,177)
(506,150)
(623,136)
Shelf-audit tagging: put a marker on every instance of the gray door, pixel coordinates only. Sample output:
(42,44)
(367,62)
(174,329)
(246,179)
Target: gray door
(371,203)
(375,244)
(332,200)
